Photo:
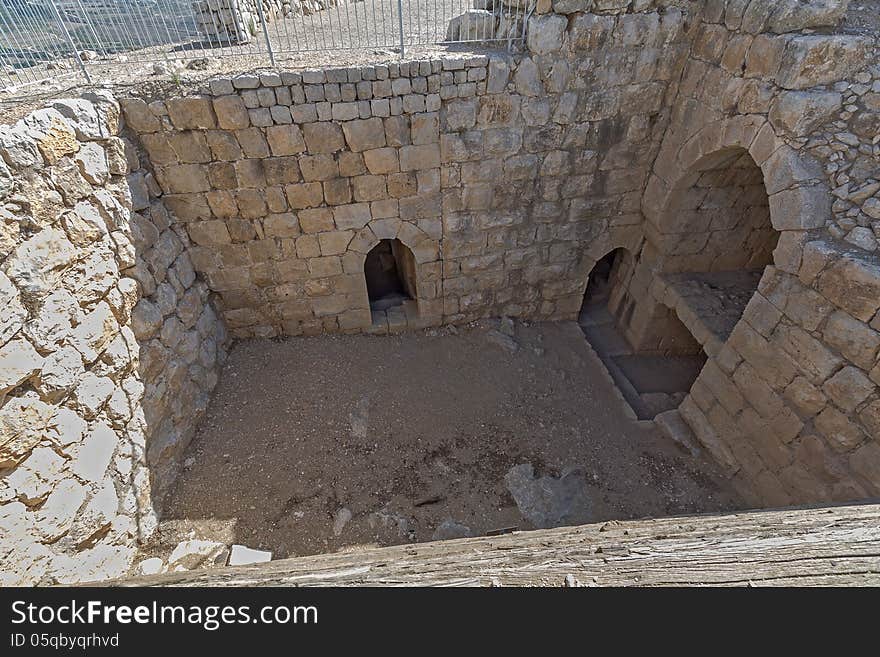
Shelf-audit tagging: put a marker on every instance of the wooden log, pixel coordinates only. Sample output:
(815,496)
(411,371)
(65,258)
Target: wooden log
(828,546)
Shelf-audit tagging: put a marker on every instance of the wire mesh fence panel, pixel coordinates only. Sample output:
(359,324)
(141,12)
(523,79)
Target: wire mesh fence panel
(43,39)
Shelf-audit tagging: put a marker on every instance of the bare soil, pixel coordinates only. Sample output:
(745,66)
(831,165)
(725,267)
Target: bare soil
(406,432)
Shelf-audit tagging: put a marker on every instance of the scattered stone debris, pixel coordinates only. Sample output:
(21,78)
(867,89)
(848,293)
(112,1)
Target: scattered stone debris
(502,340)
(450,529)
(342,518)
(242,556)
(194,553)
(200,64)
(548,501)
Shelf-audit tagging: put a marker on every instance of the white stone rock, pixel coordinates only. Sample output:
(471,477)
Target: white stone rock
(56,516)
(14,313)
(150,566)
(19,361)
(93,457)
(36,265)
(242,555)
(194,553)
(95,332)
(100,563)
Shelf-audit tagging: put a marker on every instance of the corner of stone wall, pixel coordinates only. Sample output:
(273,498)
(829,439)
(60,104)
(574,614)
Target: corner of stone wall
(92,407)
(789,405)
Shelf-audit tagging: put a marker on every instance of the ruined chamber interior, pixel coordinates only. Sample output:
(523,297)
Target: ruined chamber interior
(704,261)
(489,427)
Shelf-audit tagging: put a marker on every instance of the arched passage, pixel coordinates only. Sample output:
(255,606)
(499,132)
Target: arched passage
(651,383)
(706,253)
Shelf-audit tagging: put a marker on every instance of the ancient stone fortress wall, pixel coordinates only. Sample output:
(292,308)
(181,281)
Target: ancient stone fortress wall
(108,347)
(494,172)
(729,150)
(788,401)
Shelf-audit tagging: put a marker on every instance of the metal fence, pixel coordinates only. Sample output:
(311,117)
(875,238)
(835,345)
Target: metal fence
(51,39)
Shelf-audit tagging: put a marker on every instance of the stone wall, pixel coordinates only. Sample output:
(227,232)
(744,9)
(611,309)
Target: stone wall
(789,404)
(237,21)
(89,409)
(495,171)
(699,137)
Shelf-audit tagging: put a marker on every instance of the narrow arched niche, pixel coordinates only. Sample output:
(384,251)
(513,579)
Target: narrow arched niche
(390,275)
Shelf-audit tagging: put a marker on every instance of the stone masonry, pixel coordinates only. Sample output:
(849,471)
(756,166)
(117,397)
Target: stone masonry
(699,137)
(108,348)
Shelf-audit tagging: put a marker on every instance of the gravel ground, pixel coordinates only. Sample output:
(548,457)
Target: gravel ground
(312,445)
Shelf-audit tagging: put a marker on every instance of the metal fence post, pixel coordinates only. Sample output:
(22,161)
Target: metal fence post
(266,32)
(82,64)
(400,25)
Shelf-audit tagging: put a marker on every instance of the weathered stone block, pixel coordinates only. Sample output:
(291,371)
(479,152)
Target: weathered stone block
(285,139)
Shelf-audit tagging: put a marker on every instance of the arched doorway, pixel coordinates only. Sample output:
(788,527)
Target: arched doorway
(708,250)
(650,382)
(390,274)
(703,258)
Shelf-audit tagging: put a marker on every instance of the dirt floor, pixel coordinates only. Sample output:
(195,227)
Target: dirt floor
(311,445)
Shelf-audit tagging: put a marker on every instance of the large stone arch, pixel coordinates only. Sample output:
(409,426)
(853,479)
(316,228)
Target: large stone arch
(797,202)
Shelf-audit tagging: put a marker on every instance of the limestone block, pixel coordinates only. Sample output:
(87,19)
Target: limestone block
(337,191)
(806,398)
(794,15)
(318,167)
(281,170)
(285,139)
(231,112)
(323,137)
(101,562)
(91,393)
(810,354)
(19,361)
(382,160)
(812,60)
(838,430)
(334,242)
(459,114)
(545,33)
(801,112)
(61,371)
(852,338)
(14,313)
(848,388)
(801,208)
(191,113)
(37,264)
(95,332)
(305,195)
(419,157)
(54,136)
(364,134)
(252,142)
(852,284)
(316,220)
(92,163)
(184,178)
(138,116)
(190,146)
(56,516)
(223,145)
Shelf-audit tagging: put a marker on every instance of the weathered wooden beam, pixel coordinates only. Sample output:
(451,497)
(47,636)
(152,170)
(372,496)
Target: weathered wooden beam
(817,546)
